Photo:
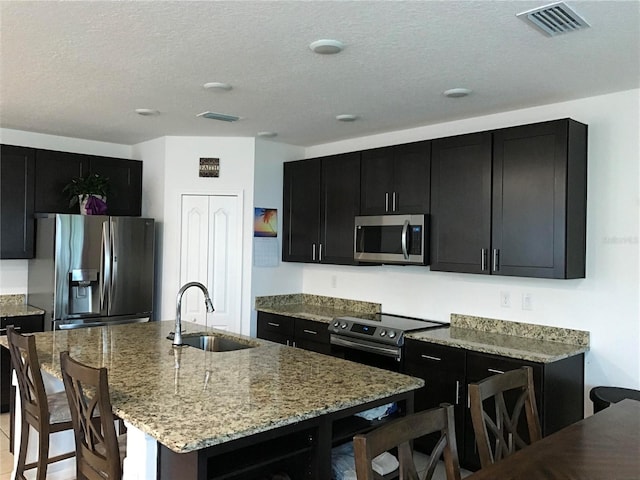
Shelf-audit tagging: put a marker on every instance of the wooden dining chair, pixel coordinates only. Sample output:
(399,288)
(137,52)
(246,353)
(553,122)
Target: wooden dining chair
(497,436)
(399,434)
(99,450)
(46,414)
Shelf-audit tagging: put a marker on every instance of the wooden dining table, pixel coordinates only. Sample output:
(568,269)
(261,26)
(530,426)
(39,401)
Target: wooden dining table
(605,446)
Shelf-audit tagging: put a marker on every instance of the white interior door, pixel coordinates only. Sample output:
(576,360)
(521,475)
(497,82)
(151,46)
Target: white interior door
(211,254)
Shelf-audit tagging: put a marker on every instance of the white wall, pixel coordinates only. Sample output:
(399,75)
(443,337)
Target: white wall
(14,273)
(181,162)
(606,302)
(153,154)
(286,277)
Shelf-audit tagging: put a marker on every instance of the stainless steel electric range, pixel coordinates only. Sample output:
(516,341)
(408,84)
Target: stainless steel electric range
(377,340)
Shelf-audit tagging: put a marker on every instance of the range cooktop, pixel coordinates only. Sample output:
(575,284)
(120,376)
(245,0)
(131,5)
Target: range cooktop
(381,328)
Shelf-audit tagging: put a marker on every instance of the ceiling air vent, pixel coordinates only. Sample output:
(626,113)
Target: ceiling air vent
(218,116)
(555,19)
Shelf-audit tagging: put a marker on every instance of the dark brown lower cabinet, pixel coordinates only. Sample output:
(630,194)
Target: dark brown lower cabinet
(296,332)
(447,371)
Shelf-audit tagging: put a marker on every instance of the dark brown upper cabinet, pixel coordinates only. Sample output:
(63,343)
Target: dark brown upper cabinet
(55,169)
(16,202)
(321,199)
(125,184)
(396,180)
(511,201)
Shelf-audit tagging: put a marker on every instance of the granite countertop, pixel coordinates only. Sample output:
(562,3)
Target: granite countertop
(535,343)
(14,306)
(215,397)
(315,307)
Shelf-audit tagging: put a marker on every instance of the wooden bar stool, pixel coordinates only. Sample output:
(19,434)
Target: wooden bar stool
(501,429)
(399,433)
(99,451)
(47,414)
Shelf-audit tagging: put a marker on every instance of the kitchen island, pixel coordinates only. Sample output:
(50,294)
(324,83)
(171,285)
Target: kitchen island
(234,414)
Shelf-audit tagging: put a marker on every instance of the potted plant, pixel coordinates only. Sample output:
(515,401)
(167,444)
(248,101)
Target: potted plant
(90,192)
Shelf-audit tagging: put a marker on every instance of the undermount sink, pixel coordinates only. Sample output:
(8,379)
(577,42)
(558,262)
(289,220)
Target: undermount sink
(214,343)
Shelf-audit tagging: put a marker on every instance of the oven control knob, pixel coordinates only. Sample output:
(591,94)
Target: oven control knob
(392,334)
(383,333)
(336,324)
(344,325)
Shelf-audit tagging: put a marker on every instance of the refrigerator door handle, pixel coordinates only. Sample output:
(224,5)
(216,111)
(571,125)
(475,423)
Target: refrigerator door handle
(105,277)
(113,261)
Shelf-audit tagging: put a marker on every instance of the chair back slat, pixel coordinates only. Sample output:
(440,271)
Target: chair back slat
(26,364)
(399,434)
(97,451)
(498,437)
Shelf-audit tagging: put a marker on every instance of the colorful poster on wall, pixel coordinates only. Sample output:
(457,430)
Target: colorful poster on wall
(265,222)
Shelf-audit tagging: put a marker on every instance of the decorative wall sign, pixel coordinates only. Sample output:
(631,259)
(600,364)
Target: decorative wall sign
(265,222)
(209,167)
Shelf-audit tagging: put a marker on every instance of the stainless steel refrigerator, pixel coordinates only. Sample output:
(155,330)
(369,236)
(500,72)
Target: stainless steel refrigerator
(92,270)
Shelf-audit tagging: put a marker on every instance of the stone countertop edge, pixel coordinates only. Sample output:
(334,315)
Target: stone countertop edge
(314,307)
(14,306)
(535,343)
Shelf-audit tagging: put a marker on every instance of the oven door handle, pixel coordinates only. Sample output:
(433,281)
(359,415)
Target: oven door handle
(386,351)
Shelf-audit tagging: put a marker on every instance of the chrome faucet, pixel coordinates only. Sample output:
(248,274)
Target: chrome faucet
(177,336)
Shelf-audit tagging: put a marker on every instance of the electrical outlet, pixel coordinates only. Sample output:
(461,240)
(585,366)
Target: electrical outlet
(527,301)
(334,281)
(505,299)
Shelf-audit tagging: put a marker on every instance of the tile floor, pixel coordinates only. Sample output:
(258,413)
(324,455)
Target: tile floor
(6,459)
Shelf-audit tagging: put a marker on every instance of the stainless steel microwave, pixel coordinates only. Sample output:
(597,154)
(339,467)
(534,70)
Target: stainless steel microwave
(397,239)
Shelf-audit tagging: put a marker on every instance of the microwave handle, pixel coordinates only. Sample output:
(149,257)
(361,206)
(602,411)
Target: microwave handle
(405,231)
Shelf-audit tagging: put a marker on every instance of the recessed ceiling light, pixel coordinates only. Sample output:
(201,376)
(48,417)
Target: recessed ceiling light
(346,117)
(217,86)
(457,92)
(267,134)
(326,46)
(147,112)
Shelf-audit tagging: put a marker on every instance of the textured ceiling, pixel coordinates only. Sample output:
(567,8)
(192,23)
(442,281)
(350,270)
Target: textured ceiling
(80,68)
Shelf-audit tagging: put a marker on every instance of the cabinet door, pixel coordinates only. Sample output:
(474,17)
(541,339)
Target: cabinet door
(301,205)
(275,328)
(376,183)
(125,184)
(411,174)
(54,170)
(534,212)
(16,202)
(443,370)
(340,204)
(461,203)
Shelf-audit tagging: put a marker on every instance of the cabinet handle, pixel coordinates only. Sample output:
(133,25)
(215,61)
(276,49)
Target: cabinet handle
(493,370)
(429,357)
(313,252)
(483,259)
(457,392)
(496,259)
(386,201)
(273,324)
(394,202)
(311,332)
(320,253)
